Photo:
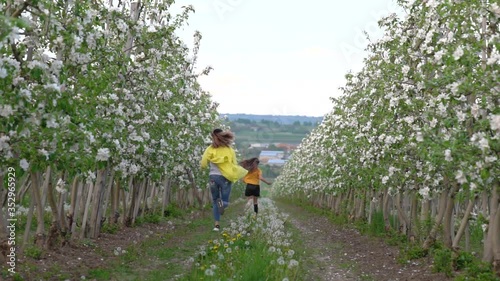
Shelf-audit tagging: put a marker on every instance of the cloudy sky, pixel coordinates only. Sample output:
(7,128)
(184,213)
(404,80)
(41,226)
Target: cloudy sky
(281,57)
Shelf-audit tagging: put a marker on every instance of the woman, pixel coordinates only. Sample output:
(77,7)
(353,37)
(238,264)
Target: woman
(252,179)
(224,170)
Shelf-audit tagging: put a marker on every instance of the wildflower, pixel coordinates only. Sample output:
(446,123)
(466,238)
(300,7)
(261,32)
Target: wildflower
(209,272)
(293,263)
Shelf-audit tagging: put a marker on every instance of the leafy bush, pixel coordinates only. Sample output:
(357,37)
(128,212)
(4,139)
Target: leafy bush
(443,261)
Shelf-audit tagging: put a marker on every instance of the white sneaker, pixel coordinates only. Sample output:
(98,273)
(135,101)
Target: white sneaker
(217,228)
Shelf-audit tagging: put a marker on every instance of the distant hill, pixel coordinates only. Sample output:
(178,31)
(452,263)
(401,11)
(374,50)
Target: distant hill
(282,119)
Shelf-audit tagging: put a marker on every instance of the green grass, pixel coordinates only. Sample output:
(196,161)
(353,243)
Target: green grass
(159,256)
(237,256)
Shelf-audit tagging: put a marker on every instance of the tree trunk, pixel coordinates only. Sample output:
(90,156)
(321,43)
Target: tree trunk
(413,216)
(54,236)
(27,229)
(115,201)
(166,195)
(36,188)
(73,204)
(77,202)
(97,198)
(464,223)
(431,238)
(492,235)
(386,211)
(109,189)
(448,217)
(403,218)
(425,211)
(83,231)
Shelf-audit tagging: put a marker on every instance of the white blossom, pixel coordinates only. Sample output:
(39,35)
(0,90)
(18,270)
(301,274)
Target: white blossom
(6,110)
(3,73)
(103,154)
(495,122)
(24,164)
(460,177)
(459,52)
(420,137)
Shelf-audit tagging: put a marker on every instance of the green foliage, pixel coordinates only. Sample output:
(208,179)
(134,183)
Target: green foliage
(411,252)
(477,270)
(33,252)
(463,260)
(99,274)
(172,211)
(149,217)
(110,228)
(443,261)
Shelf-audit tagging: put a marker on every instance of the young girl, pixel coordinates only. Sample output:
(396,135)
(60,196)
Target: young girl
(224,170)
(252,179)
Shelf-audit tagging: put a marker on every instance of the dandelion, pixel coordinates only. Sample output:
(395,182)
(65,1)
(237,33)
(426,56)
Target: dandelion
(293,263)
(209,272)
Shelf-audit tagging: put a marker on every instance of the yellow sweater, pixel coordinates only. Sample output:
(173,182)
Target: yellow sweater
(225,158)
(253,177)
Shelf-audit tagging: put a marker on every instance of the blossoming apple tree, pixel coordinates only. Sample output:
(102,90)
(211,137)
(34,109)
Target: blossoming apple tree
(101,113)
(416,132)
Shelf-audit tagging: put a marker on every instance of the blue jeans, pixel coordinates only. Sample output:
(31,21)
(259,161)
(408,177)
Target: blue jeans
(219,182)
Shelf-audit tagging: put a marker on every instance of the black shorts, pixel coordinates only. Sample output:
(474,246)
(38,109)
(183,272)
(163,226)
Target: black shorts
(252,189)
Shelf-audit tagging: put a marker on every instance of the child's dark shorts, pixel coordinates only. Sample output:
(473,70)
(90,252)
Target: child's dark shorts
(252,189)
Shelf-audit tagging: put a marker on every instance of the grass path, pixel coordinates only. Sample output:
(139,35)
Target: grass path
(166,251)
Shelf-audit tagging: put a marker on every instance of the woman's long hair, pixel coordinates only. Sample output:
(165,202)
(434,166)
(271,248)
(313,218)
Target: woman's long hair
(250,164)
(222,138)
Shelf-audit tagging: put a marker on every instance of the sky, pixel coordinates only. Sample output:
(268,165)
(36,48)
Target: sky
(280,57)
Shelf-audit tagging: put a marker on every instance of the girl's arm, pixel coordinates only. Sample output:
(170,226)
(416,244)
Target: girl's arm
(264,180)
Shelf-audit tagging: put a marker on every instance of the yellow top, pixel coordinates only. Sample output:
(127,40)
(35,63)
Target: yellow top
(253,177)
(225,159)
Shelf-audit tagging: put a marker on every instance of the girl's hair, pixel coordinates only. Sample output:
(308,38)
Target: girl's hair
(250,164)
(222,138)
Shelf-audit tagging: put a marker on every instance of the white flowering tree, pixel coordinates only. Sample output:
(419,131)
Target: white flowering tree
(416,131)
(101,113)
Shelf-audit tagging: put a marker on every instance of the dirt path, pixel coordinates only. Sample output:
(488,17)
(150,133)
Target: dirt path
(338,254)
(330,253)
